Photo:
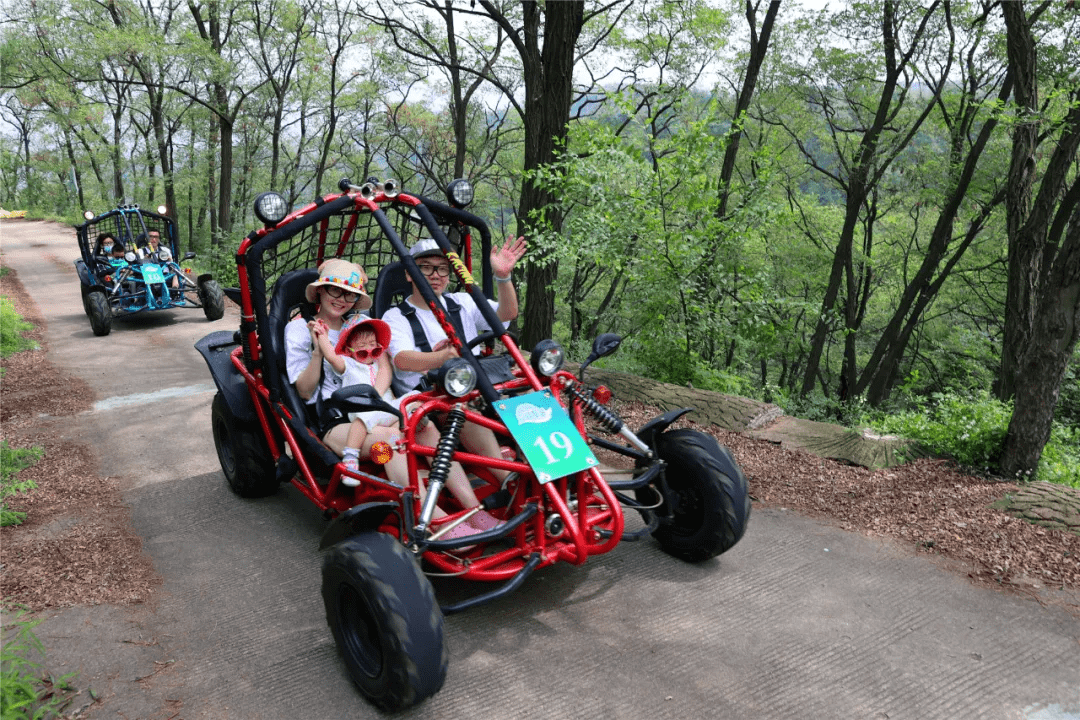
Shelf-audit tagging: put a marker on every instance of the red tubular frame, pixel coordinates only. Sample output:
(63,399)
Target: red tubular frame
(594,528)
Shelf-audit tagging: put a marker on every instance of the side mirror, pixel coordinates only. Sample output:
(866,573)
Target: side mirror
(189,255)
(605,344)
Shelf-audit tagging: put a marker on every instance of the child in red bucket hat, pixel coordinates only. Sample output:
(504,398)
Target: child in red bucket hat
(360,358)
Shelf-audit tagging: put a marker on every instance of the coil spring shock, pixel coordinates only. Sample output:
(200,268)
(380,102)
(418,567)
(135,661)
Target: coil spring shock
(608,420)
(448,441)
(440,464)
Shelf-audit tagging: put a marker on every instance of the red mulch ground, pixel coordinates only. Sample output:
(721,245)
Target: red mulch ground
(77,545)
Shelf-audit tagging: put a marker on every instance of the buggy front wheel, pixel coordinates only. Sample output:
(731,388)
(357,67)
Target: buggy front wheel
(385,620)
(97,308)
(709,504)
(212,299)
(243,453)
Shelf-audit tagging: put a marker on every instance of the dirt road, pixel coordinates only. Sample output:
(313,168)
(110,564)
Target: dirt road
(800,620)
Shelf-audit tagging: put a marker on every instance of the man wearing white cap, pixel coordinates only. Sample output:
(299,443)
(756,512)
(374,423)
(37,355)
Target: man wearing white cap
(419,344)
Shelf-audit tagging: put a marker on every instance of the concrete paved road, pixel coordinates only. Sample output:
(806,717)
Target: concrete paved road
(800,620)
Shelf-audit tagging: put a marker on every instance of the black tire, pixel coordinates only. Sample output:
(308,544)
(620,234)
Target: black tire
(99,312)
(712,500)
(85,299)
(385,620)
(212,299)
(243,453)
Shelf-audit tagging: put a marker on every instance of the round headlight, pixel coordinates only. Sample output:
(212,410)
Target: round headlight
(89,214)
(130,256)
(270,208)
(164,254)
(457,377)
(459,192)
(547,357)
(162,210)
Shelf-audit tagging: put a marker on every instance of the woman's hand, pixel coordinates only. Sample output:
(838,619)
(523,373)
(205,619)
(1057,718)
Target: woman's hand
(318,330)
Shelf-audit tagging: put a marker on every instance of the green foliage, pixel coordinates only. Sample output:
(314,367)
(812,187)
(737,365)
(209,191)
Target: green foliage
(969,429)
(1060,461)
(12,460)
(972,428)
(220,260)
(25,691)
(12,326)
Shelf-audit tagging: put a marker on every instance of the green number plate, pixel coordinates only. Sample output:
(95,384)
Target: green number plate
(546,434)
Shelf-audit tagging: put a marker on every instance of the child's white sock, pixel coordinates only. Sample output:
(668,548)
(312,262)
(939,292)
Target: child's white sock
(351,458)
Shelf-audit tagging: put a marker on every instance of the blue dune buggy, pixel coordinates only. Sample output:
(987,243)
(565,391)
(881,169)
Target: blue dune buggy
(129,265)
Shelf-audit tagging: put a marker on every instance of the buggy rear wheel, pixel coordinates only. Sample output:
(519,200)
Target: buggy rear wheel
(243,453)
(385,620)
(212,299)
(711,501)
(99,312)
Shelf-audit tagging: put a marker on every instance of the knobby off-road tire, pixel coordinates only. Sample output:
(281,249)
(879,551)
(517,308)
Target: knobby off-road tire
(213,300)
(85,299)
(385,620)
(99,312)
(712,500)
(243,453)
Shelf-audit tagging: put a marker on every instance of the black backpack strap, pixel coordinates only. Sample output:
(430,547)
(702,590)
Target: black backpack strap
(419,337)
(454,315)
(453,310)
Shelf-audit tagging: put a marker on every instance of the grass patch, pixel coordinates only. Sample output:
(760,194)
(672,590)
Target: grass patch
(12,326)
(12,460)
(972,430)
(26,690)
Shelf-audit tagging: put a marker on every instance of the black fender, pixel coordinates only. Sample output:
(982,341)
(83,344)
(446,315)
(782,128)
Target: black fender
(648,432)
(203,278)
(216,349)
(358,518)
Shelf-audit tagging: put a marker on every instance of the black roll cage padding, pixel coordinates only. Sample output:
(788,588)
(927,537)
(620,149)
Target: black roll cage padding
(487,390)
(467,218)
(257,283)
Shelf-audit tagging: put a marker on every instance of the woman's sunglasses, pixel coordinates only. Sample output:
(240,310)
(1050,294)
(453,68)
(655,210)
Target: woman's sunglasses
(363,354)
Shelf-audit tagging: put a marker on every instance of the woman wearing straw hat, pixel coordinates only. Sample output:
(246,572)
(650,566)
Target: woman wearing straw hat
(309,344)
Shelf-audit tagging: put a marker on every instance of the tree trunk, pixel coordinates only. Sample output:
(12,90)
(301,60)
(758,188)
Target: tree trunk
(759,46)
(548,85)
(1053,342)
(1024,247)
(890,348)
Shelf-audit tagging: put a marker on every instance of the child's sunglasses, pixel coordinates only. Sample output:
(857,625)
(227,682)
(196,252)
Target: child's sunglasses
(363,354)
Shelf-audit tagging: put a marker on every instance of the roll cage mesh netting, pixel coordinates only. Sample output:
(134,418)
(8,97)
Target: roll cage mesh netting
(344,228)
(124,224)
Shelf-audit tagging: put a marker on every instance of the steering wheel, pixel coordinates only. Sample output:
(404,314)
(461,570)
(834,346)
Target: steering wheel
(489,338)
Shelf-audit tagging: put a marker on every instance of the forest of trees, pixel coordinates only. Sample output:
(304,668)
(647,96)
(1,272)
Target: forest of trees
(832,207)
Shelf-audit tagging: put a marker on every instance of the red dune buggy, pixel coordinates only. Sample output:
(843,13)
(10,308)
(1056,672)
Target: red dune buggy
(555,503)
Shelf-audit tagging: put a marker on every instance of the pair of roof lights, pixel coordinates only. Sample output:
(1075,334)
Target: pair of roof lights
(271,208)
